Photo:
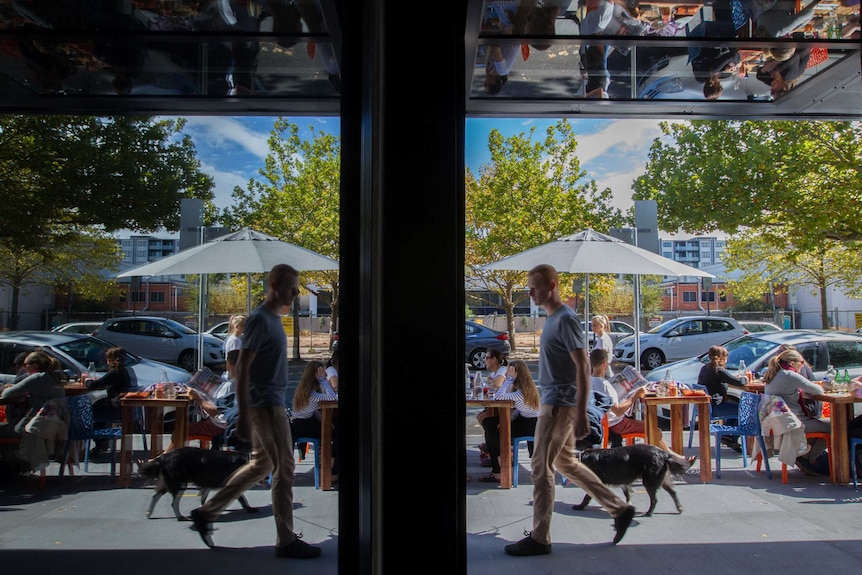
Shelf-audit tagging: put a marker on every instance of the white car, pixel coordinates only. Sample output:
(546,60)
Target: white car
(162,339)
(759,326)
(87,327)
(677,339)
(619,330)
(219,330)
(75,352)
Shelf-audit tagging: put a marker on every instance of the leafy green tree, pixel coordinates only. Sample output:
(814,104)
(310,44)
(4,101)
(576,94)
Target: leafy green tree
(61,174)
(66,181)
(767,266)
(297,200)
(73,263)
(531,192)
(790,176)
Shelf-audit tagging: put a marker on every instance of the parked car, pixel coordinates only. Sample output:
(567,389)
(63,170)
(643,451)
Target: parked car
(219,330)
(75,352)
(619,330)
(820,348)
(677,339)
(162,339)
(480,339)
(759,326)
(78,327)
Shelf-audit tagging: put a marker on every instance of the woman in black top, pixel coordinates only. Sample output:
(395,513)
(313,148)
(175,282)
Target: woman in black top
(715,378)
(116,381)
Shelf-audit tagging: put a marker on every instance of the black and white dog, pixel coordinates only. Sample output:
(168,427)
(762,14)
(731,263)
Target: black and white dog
(206,468)
(623,466)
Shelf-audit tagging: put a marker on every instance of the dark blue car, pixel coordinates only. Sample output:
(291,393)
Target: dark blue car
(479,339)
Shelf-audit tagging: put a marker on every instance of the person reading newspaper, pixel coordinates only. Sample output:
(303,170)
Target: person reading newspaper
(631,386)
(214,398)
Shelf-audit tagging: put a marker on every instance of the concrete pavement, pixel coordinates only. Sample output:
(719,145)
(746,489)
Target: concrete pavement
(742,522)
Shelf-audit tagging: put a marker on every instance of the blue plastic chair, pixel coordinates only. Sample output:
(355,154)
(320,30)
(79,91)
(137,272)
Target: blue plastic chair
(316,443)
(81,429)
(749,426)
(720,415)
(853,443)
(516,441)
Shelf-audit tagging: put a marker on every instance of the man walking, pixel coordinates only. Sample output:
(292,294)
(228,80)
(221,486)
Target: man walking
(564,382)
(261,386)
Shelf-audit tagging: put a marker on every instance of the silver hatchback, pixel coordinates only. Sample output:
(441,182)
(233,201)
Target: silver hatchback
(162,339)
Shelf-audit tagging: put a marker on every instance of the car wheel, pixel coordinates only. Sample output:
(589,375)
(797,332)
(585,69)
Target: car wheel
(477,359)
(651,359)
(189,361)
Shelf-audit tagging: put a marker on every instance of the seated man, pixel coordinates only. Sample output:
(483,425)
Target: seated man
(216,419)
(618,421)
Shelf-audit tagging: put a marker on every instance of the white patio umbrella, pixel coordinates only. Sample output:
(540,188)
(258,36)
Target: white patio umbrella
(590,252)
(245,251)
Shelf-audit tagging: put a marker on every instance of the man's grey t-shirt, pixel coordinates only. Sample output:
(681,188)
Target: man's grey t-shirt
(268,374)
(561,334)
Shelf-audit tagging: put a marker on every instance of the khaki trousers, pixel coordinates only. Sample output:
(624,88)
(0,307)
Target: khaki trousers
(555,448)
(272,450)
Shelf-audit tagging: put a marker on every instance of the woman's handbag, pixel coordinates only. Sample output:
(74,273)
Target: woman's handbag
(48,422)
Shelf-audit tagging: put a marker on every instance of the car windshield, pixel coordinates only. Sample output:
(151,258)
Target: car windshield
(746,348)
(183,329)
(662,326)
(90,349)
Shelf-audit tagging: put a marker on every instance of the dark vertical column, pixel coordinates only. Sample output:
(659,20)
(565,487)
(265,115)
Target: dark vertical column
(402,485)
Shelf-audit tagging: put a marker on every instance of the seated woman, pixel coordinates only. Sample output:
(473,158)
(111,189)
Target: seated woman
(715,378)
(39,387)
(782,378)
(525,414)
(116,381)
(312,389)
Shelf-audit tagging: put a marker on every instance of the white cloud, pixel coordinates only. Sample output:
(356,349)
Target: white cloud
(621,185)
(220,132)
(632,137)
(225,183)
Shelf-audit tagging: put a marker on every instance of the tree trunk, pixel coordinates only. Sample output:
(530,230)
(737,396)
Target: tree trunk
(824,313)
(13,312)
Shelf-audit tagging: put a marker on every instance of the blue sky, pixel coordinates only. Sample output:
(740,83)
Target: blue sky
(613,152)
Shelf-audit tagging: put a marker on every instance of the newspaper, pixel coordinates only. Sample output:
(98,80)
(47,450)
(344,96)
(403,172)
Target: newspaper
(628,381)
(205,382)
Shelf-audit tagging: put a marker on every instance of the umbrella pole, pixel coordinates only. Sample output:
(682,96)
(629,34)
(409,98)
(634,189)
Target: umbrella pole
(587,309)
(248,290)
(637,322)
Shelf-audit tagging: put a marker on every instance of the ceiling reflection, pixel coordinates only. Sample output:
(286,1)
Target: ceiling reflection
(209,49)
(743,51)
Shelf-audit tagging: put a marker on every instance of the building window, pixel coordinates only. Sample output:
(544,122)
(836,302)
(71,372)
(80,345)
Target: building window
(139,296)
(689,296)
(157,297)
(707,296)
(668,255)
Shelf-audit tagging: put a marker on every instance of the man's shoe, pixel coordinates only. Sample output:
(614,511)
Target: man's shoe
(805,467)
(622,522)
(732,443)
(527,546)
(203,526)
(298,549)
